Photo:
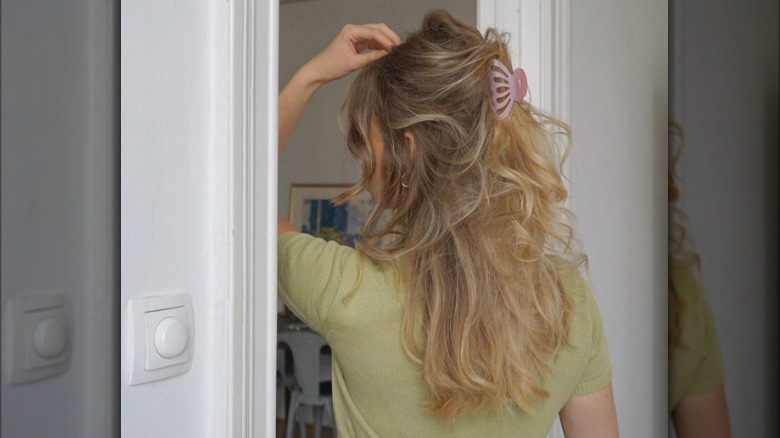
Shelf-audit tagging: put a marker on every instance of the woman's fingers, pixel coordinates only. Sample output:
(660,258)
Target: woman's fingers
(371,37)
(353,48)
(366,58)
(382,27)
(374,42)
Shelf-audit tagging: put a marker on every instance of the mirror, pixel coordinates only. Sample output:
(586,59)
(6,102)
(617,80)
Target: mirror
(315,158)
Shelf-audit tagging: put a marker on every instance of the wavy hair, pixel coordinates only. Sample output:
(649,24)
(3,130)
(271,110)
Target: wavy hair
(474,214)
(681,254)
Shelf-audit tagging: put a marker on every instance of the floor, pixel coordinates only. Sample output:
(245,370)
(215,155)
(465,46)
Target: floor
(280,430)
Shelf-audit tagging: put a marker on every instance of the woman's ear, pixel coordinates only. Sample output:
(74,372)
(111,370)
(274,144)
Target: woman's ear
(412,144)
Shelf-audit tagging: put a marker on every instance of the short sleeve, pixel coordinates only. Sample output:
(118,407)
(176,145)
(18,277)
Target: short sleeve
(598,371)
(310,274)
(709,374)
(695,363)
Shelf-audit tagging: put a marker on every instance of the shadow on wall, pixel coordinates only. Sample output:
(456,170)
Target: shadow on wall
(772,258)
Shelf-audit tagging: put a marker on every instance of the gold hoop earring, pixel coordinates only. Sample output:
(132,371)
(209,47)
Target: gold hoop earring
(403,184)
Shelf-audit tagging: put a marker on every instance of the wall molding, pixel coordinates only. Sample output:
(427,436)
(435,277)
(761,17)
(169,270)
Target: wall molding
(241,278)
(251,364)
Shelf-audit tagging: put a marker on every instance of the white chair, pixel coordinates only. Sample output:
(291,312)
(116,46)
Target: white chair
(310,371)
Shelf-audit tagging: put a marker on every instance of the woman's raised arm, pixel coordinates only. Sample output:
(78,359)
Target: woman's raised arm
(354,47)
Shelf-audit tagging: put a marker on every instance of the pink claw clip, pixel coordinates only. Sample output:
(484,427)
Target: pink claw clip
(506,88)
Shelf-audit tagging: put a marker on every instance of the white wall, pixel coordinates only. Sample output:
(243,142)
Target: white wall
(175,207)
(728,171)
(618,192)
(59,154)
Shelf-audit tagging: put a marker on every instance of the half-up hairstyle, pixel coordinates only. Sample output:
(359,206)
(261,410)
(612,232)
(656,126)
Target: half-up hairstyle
(474,213)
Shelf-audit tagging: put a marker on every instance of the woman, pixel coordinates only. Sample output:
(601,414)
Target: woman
(697,396)
(462,311)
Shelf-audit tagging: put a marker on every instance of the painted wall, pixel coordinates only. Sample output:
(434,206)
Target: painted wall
(59,154)
(618,192)
(175,202)
(728,92)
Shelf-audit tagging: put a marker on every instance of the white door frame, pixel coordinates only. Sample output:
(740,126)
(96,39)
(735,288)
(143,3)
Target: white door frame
(254,39)
(540,43)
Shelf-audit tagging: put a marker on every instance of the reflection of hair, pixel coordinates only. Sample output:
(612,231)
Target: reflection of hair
(681,256)
(476,219)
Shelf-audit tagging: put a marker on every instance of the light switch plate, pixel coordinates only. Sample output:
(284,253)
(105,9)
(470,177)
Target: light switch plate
(147,365)
(152,320)
(39,335)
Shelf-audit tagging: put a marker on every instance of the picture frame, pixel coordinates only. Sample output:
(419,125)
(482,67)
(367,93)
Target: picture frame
(312,211)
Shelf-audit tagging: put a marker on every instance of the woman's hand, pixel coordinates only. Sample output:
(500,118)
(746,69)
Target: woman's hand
(354,47)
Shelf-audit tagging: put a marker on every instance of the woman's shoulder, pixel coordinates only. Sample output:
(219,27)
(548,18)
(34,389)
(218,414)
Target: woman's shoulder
(331,254)
(573,277)
(293,243)
(586,311)
(308,256)
(685,281)
(586,355)
(311,273)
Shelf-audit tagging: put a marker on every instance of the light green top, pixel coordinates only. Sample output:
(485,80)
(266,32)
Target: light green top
(695,364)
(377,390)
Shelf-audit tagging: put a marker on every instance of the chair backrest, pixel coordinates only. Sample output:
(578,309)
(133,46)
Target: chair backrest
(305,346)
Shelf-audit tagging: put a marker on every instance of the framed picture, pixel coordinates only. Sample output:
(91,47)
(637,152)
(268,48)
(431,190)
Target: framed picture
(312,211)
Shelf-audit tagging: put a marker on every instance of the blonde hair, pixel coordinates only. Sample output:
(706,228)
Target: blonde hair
(681,254)
(475,214)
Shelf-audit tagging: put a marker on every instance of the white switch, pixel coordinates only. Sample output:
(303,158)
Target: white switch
(166,330)
(50,338)
(170,337)
(39,326)
(161,337)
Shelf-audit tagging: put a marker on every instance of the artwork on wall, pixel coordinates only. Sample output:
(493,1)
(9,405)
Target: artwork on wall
(312,211)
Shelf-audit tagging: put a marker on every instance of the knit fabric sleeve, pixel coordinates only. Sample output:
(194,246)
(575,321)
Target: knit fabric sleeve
(310,274)
(598,371)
